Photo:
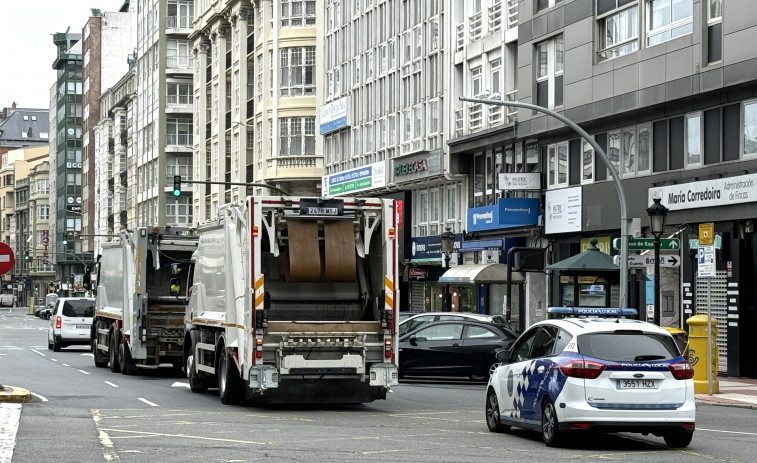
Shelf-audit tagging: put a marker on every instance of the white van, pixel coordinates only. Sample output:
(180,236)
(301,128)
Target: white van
(70,322)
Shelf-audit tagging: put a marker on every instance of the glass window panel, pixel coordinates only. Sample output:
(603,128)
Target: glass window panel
(750,128)
(693,140)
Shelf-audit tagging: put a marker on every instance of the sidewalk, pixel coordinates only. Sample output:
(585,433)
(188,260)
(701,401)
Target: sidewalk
(734,392)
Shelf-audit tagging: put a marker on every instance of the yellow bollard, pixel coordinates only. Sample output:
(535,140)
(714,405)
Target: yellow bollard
(698,353)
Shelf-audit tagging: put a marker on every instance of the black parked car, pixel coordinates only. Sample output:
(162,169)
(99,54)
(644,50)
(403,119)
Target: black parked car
(463,347)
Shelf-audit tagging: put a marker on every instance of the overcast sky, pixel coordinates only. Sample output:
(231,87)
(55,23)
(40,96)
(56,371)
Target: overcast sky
(27,51)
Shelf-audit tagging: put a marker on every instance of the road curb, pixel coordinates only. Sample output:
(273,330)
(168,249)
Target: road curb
(728,404)
(15,394)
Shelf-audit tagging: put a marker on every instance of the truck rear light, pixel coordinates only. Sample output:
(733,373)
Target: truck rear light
(387,348)
(259,348)
(682,370)
(57,322)
(391,233)
(582,369)
(255,231)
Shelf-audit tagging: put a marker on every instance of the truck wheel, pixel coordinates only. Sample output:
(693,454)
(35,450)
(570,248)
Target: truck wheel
(196,384)
(101,360)
(230,385)
(124,358)
(115,367)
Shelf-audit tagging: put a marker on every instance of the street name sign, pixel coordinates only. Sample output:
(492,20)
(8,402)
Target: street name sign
(647,244)
(635,261)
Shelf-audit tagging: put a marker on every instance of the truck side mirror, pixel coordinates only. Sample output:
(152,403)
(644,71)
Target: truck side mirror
(175,287)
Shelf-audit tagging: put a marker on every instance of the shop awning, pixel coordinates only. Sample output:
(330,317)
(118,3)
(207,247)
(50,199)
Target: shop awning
(489,273)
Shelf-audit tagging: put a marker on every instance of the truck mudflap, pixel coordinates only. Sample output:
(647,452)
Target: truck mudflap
(384,374)
(263,377)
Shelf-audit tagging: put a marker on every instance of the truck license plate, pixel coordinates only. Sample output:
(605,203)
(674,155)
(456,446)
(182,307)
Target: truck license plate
(636,384)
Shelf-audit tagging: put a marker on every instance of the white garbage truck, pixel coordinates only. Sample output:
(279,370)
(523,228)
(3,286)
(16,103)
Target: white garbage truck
(294,300)
(138,319)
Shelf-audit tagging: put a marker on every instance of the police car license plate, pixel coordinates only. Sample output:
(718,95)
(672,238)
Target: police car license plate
(82,327)
(636,384)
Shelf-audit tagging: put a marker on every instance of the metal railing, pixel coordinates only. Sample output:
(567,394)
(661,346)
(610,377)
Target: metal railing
(512,112)
(179,139)
(460,34)
(475,26)
(475,116)
(182,22)
(459,122)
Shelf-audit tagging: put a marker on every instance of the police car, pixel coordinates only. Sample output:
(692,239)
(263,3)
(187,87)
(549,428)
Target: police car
(593,370)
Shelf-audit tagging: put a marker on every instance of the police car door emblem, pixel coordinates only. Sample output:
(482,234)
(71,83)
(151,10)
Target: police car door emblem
(540,369)
(510,383)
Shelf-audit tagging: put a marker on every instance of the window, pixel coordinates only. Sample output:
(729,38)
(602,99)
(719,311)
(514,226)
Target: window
(750,128)
(297,13)
(445,332)
(177,93)
(618,31)
(714,30)
(297,136)
(587,162)
(178,54)
(179,131)
(613,151)
(668,19)
(544,4)
(180,14)
(297,71)
(179,210)
(693,140)
(550,59)
(557,165)
(43,212)
(476,81)
(479,332)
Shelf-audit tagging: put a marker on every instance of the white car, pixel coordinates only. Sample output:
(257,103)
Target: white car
(593,375)
(70,322)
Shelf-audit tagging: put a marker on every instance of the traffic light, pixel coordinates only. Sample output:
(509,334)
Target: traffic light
(177,185)
(65,239)
(26,255)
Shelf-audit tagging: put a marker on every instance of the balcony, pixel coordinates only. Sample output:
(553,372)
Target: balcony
(512,13)
(181,139)
(460,37)
(512,112)
(179,103)
(475,27)
(494,13)
(179,22)
(179,64)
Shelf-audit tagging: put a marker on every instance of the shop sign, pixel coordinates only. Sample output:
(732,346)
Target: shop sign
(603,244)
(333,116)
(563,210)
(507,213)
(418,166)
(430,247)
(410,167)
(418,273)
(351,181)
(707,193)
(522,181)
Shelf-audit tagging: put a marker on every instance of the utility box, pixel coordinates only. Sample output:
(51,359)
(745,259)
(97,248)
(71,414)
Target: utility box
(698,353)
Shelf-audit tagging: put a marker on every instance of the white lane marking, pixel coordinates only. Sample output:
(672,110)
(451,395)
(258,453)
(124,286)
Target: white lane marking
(43,399)
(148,402)
(178,384)
(38,352)
(65,364)
(89,354)
(10,414)
(729,432)
(82,371)
(54,360)
(110,384)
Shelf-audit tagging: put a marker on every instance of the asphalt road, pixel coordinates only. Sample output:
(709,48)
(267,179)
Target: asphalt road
(84,414)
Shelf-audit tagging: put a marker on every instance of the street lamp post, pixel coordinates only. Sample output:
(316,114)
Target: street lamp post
(657,214)
(613,173)
(448,241)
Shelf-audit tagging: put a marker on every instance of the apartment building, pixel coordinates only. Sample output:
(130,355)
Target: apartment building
(161,113)
(255,90)
(107,43)
(66,119)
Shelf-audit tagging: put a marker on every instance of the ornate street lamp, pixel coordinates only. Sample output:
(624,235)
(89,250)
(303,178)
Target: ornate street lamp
(448,242)
(657,214)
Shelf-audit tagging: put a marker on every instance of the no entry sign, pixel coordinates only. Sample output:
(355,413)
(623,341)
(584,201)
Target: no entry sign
(6,258)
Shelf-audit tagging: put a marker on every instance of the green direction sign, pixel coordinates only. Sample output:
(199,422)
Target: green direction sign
(645,244)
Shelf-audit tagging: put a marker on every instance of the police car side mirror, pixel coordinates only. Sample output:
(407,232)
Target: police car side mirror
(503,356)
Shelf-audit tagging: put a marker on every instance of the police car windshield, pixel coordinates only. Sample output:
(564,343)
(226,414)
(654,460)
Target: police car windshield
(627,346)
